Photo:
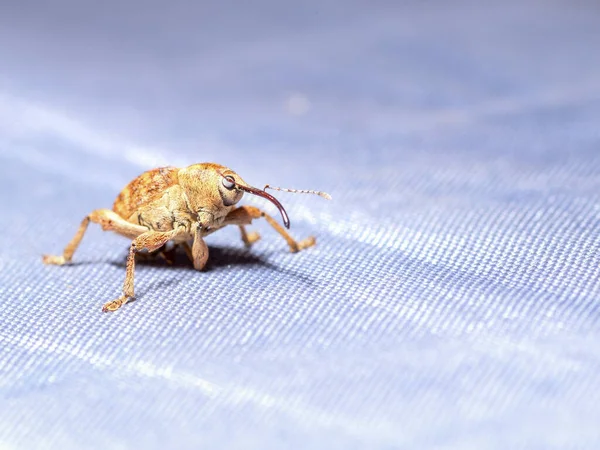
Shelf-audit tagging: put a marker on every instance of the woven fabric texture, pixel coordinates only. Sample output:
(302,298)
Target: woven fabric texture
(453,297)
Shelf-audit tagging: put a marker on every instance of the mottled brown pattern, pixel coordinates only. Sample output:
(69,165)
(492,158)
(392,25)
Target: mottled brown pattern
(144,189)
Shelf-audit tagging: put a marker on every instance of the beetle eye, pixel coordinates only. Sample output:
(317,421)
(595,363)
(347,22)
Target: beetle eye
(228,182)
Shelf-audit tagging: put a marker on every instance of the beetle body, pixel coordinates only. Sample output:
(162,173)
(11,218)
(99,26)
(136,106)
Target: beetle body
(165,198)
(180,205)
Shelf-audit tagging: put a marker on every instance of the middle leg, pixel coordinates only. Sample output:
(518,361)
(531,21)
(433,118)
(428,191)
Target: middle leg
(245,214)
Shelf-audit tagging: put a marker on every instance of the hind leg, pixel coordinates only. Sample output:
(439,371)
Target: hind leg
(108,220)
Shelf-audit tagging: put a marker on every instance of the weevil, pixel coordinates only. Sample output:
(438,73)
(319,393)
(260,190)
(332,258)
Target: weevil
(182,206)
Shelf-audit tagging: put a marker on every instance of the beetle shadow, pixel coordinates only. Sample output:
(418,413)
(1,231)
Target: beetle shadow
(164,283)
(219,257)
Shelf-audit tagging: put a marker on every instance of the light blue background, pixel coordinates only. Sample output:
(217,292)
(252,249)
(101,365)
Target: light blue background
(453,299)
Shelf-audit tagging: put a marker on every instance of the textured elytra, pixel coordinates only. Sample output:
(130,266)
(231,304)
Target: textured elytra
(144,189)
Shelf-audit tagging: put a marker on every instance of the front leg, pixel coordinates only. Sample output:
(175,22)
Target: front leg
(245,214)
(199,252)
(151,240)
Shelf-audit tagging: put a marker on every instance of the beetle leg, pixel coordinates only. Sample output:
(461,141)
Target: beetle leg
(168,255)
(108,220)
(248,238)
(150,240)
(245,214)
(199,250)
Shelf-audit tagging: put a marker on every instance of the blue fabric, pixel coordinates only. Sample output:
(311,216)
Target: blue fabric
(453,297)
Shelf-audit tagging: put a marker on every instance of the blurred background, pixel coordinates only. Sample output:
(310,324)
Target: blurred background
(452,298)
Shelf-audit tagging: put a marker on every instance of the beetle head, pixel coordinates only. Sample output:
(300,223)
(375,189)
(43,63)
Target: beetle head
(228,183)
(216,185)
(232,187)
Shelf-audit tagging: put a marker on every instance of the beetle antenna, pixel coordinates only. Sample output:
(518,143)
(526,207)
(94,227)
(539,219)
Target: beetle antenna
(325,195)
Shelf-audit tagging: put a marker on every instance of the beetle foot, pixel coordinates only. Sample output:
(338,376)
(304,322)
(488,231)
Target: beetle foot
(251,238)
(114,305)
(304,243)
(54,260)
